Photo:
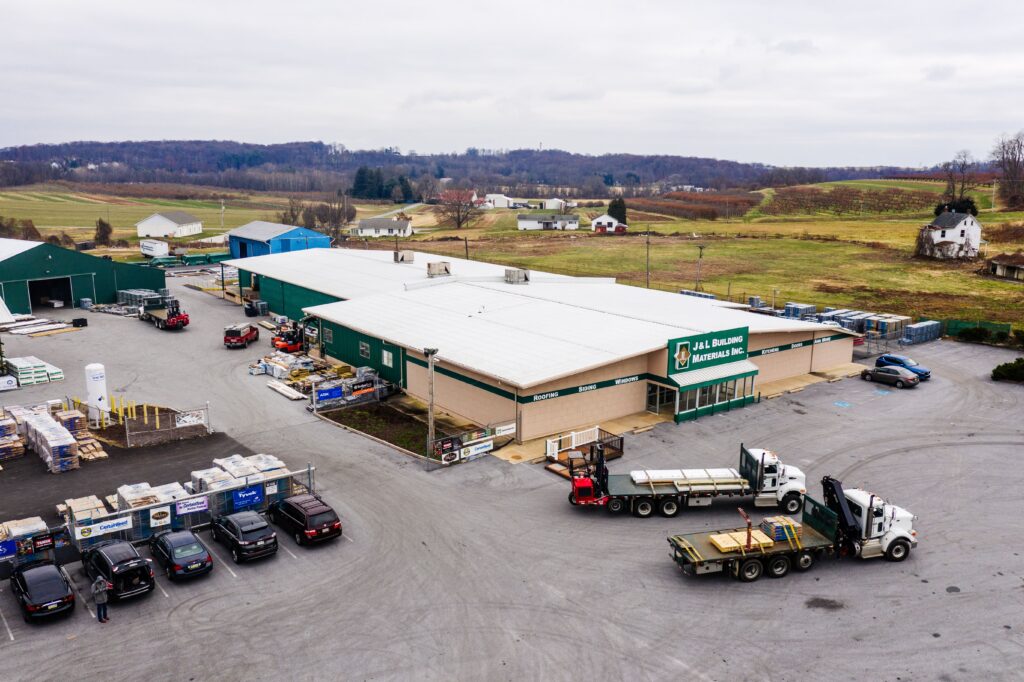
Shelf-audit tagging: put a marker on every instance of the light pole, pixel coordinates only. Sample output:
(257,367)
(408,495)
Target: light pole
(430,353)
(648,256)
(700,259)
(774,292)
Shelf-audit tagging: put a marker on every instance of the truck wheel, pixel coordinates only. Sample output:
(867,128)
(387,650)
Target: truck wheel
(791,503)
(643,507)
(668,507)
(572,500)
(616,506)
(803,562)
(898,550)
(750,570)
(778,566)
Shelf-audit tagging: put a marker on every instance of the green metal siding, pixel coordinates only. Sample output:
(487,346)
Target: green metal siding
(344,344)
(91,277)
(289,300)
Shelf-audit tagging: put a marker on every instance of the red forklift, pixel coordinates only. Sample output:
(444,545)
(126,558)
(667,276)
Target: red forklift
(287,339)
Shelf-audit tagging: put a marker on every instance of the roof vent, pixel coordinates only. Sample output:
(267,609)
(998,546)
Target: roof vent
(439,269)
(517,276)
(404,256)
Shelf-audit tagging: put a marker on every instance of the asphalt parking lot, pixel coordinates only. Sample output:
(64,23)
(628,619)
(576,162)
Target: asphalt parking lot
(485,571)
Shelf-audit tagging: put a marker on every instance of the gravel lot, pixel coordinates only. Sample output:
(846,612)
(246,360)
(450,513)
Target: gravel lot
(484,571)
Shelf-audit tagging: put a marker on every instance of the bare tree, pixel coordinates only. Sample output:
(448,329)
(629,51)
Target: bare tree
(961,176)
(1008,155)
(293,214)
(456,208)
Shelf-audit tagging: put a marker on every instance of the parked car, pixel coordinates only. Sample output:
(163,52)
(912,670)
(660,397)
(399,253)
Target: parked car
(897,376)
(903,361)
(246,534)
(119,562)
(43,590)
(181,553)
(306,518)
(240,335)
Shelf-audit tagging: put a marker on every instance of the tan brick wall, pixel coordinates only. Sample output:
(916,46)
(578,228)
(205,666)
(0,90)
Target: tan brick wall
(832,353)
(459,398)
(557,415)
(797,361)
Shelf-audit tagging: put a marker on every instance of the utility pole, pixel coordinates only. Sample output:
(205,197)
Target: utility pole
(430,353)
(774,292)
(466,239)
(700,259)
(648,233)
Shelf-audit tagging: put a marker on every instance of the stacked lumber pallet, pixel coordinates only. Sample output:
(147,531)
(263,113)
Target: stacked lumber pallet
(28,371)
(22,527)
(89,449)
(776,528)
(11,444)
(53,372)
(83,508)
(736,541)
(52,442)
(135,495)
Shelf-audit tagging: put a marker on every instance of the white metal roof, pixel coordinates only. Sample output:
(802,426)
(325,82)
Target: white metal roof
(261,230)
(12,247)
(353,273)
(713,373)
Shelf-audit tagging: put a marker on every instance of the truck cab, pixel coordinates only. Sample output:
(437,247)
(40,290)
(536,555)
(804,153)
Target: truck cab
(883,528)
(774,483)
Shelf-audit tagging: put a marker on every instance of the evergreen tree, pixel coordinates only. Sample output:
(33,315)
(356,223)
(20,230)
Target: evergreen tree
(103,232)
(617,209)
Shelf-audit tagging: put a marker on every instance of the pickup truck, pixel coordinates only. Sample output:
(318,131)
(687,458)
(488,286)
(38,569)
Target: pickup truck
(240,335)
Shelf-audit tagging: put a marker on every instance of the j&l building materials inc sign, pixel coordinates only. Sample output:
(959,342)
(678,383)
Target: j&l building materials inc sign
(688,353)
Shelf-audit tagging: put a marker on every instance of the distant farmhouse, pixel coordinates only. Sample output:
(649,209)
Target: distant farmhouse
(950,236)
(382,227)
(548,221)
(1008,266)
(606,224)
(169,224)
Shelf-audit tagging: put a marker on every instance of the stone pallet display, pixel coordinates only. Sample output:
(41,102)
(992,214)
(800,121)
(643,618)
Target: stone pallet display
(54,444)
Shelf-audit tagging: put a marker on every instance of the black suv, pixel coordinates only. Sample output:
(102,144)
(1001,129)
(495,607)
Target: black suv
(246,534)
(43,589)
(306,517)
(120,564)
(181,553)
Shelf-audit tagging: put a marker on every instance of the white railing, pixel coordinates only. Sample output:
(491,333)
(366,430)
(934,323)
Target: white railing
(568,441)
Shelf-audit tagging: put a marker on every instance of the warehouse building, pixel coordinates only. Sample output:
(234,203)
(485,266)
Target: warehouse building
(260,238)
(550,352)
(34,274)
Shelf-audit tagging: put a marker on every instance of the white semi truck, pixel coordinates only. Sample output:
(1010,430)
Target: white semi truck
(761,474)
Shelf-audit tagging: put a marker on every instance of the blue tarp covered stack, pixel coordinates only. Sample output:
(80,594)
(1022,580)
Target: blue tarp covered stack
(800,310)
(922,332)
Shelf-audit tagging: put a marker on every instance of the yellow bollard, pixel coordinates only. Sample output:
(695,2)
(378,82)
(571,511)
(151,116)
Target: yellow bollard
(145,414)
(156,413)
(103,419)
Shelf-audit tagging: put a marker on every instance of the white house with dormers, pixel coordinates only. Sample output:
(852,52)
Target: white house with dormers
(950,236)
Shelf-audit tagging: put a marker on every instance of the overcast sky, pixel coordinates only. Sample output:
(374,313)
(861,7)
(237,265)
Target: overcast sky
(787,83)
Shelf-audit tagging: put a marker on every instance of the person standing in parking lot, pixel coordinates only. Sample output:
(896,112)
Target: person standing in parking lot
(99,595)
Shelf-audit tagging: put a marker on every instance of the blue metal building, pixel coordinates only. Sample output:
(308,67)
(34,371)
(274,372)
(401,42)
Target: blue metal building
(260,238)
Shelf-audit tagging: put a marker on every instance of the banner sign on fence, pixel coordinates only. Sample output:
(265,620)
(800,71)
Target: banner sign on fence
(445,446)
(272,488)
(328,394)
(196,504)
(247,497)
(362,387)
(41,543)
(103,528)
(477,449)
(505,429)
(8,549)
(160,516)
(192,418)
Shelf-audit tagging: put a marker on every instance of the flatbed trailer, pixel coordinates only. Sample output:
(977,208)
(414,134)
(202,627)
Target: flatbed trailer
(760,475)
(170,317)
(827,529)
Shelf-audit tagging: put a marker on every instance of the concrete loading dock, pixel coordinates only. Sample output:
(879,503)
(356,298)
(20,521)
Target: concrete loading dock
(549,351)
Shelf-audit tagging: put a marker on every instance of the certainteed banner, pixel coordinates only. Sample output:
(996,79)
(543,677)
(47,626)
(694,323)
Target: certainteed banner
(707,350)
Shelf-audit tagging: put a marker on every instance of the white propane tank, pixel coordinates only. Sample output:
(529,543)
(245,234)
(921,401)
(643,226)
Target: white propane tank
(96,390)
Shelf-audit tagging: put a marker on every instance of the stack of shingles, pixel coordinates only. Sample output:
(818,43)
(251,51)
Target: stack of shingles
(89,448)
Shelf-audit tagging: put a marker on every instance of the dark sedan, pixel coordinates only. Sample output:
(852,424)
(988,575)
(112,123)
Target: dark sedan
(43,590)
(181,553)
(890,360)
(246,534)
(896,376)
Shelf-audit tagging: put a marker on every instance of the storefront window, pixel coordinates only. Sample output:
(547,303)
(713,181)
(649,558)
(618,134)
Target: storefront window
(726,391)
(705,397)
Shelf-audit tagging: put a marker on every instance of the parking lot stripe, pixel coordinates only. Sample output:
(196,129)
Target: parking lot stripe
(87,607)
(287,550)
(226,566)
(6,626)
(347,538)
(161,588)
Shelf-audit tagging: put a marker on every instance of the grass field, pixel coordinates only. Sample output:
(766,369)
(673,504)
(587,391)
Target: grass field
(56,208)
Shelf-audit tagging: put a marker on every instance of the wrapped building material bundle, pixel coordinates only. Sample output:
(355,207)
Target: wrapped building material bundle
(237,466)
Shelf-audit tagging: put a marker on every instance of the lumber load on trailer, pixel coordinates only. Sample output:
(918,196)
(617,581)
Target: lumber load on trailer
(736,541)
(692,480)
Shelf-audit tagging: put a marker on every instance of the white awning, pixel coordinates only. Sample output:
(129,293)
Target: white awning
(715,374)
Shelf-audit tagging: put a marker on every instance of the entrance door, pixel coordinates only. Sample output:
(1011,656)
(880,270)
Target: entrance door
(43,291)
(661,400)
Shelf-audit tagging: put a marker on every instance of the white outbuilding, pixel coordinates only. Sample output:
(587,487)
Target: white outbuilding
(169,224)
(607,224)
(498,201)
(951,235)
(548,221)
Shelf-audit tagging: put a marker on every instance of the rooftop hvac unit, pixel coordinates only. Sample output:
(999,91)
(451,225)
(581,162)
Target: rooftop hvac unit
(403,256)
(517,276)
(439,269)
